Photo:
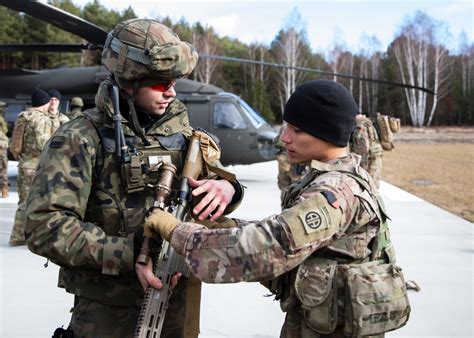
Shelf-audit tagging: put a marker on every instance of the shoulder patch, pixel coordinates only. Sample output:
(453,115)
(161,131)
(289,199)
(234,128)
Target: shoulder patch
(311,221)
(57,142)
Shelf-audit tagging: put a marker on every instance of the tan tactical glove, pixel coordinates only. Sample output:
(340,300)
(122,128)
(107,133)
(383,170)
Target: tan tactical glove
(162,222)
(221,223)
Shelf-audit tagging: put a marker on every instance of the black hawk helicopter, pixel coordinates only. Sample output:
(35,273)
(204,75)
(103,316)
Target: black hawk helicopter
(244,135)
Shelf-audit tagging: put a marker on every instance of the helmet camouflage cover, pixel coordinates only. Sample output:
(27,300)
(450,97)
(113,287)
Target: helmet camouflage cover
(77,102)
(146,51)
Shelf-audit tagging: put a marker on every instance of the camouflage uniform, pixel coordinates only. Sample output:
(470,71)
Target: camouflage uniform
(365,142)
(80,213)
(332,217)
(39,127)
(3,153)
(78,182)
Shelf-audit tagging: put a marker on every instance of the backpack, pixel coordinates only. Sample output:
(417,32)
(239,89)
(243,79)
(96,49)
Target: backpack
(16,143)
(383,126)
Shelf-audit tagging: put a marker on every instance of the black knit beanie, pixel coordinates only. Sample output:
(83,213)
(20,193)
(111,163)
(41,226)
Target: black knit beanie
(54,93)
(324,109)
(39,98)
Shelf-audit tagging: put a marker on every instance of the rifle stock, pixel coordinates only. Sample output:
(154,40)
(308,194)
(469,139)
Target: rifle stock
(155,302)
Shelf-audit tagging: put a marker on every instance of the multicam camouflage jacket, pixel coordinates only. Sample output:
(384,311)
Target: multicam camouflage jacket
(37,129)
(333,213)
(79,213)
(3,124)
(3,134)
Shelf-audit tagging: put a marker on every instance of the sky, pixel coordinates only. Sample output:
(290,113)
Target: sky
(327,21)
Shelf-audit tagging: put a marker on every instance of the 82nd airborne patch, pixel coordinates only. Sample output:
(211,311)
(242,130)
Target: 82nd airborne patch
(313,220)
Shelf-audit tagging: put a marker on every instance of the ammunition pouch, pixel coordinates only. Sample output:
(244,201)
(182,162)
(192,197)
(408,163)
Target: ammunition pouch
(394,124)
(315,287)
(376,299)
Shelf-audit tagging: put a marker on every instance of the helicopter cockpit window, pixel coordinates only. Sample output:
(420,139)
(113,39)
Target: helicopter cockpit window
(227,115)
(253,116)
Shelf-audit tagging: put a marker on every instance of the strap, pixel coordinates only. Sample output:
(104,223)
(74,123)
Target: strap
(98,172)
(134,119)
(193,307)
(228,176)
(132,53)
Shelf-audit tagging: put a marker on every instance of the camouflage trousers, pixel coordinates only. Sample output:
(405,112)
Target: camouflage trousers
(295,327)
(24,182)
(92,319)
(3,168)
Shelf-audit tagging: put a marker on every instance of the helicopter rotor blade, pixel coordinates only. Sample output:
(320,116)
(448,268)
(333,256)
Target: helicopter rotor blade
(312,70)
(44,47)
(59,18)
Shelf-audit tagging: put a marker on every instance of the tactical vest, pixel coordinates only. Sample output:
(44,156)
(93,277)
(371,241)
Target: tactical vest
(120,196)
(327,286)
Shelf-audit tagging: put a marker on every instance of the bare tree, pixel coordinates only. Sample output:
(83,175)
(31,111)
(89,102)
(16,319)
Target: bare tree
(205,41)
(370,57)
(466,51)
(290,47)
(336,54)
(421,59)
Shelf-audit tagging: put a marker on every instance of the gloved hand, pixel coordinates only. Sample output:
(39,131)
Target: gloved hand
(162,222)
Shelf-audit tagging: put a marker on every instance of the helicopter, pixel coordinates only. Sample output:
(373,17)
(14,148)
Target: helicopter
(244,135)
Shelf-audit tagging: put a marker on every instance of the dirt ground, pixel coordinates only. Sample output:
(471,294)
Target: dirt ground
(436,164)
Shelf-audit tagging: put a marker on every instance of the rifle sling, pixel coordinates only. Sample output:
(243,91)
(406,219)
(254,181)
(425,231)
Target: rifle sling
(193,307)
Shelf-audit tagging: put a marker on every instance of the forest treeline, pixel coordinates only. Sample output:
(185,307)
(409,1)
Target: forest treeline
(417,56)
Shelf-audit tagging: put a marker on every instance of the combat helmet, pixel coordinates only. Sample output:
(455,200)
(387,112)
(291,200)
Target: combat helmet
(143,52)
(77,102)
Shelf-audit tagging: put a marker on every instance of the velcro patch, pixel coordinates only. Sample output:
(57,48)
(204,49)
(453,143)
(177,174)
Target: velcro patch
(312,220)
(331,198)
(57,142)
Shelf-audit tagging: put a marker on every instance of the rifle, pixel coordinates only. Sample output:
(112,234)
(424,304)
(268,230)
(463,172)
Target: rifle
(155,302)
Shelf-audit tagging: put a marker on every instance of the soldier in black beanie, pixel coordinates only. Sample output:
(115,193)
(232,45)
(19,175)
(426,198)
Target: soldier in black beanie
(324,109)
(39,98)
(330,246)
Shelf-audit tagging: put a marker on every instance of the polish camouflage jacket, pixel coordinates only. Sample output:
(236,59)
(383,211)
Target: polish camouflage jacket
(333,213)
(79,214)
(366,142)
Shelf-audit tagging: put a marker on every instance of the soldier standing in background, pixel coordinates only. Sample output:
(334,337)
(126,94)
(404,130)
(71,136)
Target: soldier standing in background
(54,102)
(327,256)
(4,186)
(33,128)
(87,205)
(365,142)
(76,107)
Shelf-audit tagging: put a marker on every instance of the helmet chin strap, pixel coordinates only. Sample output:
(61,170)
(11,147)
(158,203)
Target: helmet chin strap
(134,124)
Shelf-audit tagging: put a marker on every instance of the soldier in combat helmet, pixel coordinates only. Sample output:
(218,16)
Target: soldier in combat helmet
(4,186)
(87,205)
(365,142)
(327,256)
(76,107)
